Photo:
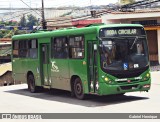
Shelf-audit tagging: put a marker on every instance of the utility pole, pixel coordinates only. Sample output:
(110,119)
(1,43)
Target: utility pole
(43,18)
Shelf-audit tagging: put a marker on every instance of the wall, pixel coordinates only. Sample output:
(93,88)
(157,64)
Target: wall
(158,45)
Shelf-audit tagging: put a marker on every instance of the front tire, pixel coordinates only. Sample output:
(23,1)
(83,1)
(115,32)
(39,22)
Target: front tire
(78,89)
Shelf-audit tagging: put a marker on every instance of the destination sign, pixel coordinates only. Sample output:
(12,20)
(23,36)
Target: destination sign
(105,32)
(121,32)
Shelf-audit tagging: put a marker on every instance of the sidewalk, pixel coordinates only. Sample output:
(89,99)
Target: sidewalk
(155,78)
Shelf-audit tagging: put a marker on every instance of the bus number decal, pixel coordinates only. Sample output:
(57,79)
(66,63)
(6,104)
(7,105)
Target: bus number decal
(54,67)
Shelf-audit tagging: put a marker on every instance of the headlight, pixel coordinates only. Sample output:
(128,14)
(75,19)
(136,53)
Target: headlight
(108,80)
(147,76)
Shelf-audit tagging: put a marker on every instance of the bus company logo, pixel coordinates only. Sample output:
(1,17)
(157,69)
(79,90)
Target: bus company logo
(54,67)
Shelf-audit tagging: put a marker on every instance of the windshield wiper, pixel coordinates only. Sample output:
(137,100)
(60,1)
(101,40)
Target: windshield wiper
(135,40)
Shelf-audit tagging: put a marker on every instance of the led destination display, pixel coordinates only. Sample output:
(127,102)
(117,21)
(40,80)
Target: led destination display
(105,32)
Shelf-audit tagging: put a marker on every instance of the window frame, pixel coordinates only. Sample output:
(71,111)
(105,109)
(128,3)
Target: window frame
(83,46)
(27,46)
(15,49)
(53,47)
(33,48)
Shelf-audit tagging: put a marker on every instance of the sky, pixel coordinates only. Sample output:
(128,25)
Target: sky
(52,3)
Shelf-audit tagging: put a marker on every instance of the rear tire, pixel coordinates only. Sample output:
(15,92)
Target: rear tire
(78,89)
(31,83)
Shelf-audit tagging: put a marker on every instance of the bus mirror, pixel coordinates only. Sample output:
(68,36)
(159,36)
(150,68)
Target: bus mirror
(95,46)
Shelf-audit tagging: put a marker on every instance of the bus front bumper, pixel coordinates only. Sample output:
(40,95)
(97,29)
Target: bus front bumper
(106,89)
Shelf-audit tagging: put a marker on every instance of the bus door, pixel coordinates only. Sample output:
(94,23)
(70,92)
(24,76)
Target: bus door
(45,64)
(92,66)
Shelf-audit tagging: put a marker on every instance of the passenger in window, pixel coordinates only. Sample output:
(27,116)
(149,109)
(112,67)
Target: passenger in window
(106,58)
(140,49)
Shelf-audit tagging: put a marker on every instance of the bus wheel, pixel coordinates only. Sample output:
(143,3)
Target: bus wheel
(78,89)
(31,83)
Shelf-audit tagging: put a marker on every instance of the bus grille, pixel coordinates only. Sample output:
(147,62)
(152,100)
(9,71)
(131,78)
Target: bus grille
(127,81)
(128,87)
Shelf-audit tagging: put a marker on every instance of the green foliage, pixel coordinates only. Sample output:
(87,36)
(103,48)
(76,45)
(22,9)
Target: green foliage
(3,33)
(9,23)
(32,20)
(10,33)
(23,22)
(18,32)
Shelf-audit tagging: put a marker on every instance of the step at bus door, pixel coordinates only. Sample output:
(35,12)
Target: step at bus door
(45,64)
(92,66)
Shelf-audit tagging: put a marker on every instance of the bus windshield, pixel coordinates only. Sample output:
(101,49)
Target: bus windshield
(124,53)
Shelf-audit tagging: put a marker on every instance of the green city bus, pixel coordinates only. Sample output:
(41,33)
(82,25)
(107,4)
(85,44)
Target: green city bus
(98,59)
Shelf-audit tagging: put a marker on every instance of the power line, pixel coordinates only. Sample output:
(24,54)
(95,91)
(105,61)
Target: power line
(81,17)
(30,8)
(17,16)
(88,15)
(37,8)
(74,19)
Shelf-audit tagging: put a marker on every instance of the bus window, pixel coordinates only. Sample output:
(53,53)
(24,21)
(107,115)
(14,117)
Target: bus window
(15,48)
(23,51)
(33,49)
(60,48)
(76,47)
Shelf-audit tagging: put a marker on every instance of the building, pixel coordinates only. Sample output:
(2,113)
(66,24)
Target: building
(59,22)
(124,2)
(5,52)
(83,23)
(150,19)
(68,21)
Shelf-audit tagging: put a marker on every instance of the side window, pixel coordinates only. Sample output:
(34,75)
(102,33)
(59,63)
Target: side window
(60,48)
(15,49)
(76,47)
(33,48)
(23,49)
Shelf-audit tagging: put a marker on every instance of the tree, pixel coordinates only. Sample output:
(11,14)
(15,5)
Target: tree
(18,32)
(23,21)
(8,34)
(32,20)
(9,23)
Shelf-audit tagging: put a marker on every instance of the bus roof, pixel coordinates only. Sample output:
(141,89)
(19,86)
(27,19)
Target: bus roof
(70,31)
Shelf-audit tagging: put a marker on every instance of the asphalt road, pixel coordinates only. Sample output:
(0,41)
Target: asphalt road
(18,99)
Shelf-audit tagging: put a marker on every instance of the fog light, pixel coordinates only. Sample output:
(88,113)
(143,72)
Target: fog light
(146,86)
